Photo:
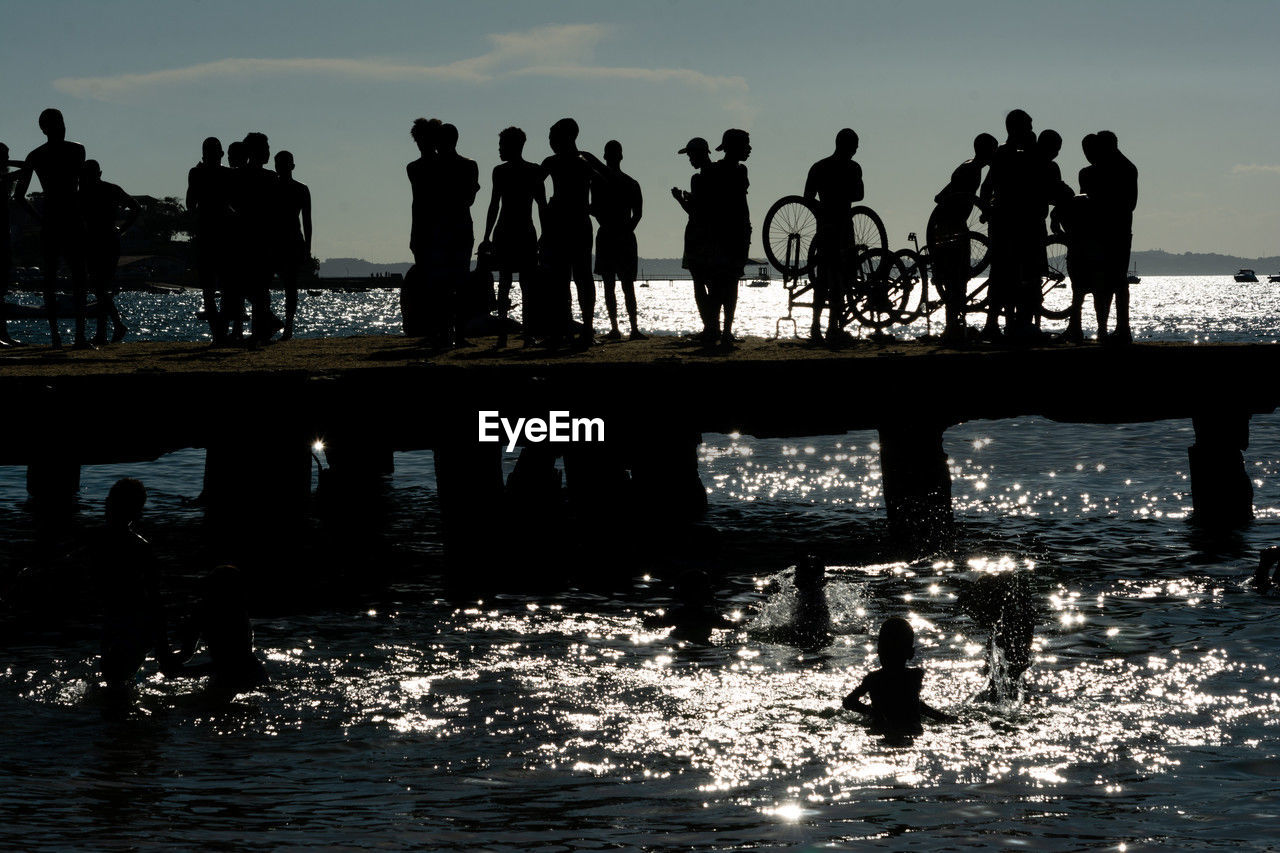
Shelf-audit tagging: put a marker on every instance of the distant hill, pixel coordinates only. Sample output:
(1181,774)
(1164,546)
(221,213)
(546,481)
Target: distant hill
(1158,262)
(359,268)
(1154,262)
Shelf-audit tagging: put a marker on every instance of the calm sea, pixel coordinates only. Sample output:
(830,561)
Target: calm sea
(399,717)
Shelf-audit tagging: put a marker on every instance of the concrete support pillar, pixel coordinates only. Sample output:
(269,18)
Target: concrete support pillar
(916,481)
(1221,491)
(596,478)
(472,506)
(356,458)
(664,476)
(265,474)
(53,480)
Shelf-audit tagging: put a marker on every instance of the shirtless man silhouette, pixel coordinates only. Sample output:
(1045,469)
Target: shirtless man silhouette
(254,199)
(617,204)
(517,186)
(834,185)
(566,237)
(103,204)
(294,203)
(208,197)
(729,226)
(948,234)
(57,163)
(457,181)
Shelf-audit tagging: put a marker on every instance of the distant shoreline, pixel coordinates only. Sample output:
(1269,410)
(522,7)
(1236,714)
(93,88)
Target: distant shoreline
(1149,262)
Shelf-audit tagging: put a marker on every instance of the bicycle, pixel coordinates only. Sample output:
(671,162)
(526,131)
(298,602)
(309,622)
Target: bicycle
(790,227)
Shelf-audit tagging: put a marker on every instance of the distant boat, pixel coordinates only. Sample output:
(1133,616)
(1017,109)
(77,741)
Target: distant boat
(1247,277)
(1273,279)
(1133,274)
(762,278)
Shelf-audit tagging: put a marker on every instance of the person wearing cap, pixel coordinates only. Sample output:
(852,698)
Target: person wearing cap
(617,204)
(729,226)
(696,243)
(294,242)
(834,184)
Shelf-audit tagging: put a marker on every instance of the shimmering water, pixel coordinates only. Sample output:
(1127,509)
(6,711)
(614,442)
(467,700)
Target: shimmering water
(398,717)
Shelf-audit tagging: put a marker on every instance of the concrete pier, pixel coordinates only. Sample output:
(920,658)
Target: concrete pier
(258,411)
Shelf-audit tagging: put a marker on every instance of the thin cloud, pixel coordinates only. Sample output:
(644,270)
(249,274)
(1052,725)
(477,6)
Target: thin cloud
(1254,168)
(558,51)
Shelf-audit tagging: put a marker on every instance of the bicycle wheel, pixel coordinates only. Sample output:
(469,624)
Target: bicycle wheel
(868,230)
(789,228)
(915,273)
(879,294)
(1055,287)
(975,298)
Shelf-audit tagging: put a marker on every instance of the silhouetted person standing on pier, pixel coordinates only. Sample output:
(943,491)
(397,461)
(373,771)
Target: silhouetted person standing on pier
(697,257)
(255,201)
(457,180)
(1077,221)
(234,288)
(293,205)
(948,234)
(566,236)
(730,226)
(1049,144)
(1114,190)
(103,204)
(209,199)
(57,164)
(7,180)
(1017,192)
(518,185)
(415,300)
(617,204)
(834,184)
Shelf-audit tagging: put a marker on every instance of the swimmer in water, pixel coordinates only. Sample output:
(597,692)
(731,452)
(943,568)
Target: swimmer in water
(896,706)
(811,618)
(124,570)
(222,621)
(695,614)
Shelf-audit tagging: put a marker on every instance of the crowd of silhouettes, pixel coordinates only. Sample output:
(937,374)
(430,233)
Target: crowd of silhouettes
(718,235)
(252,225)
(1022,183)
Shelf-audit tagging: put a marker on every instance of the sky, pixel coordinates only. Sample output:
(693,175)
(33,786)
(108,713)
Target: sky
(1190,88)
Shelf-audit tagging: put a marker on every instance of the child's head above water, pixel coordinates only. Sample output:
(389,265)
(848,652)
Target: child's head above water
(897,643)
(125,501)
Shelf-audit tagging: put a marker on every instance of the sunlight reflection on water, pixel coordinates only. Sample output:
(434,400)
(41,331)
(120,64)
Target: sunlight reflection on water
(530,721)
